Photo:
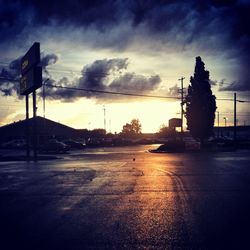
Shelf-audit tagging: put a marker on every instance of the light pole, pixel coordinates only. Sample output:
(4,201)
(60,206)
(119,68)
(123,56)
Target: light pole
(225,121)
(182,103)
(44,97)
(218,123)
(104,117)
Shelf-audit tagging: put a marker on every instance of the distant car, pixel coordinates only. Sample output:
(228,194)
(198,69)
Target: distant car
(54,146)
(74,144)
(222,141)
(14,144)
(170,147)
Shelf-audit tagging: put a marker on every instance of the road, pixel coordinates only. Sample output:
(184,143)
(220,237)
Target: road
(127,198)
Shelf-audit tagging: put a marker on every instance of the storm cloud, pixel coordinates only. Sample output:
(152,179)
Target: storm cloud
(212,26)
(108,75)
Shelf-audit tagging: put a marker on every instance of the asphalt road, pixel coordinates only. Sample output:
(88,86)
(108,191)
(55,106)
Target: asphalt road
(127,198)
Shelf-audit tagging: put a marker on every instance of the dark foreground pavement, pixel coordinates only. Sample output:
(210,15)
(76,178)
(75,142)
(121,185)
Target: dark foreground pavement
(109,200)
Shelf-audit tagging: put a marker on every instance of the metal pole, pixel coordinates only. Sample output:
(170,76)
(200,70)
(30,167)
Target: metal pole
(104,113)
(218,123)
(34,126)
(43,101)
(225,126)
(181,79)
(44,97)
(235,120)
(27,127)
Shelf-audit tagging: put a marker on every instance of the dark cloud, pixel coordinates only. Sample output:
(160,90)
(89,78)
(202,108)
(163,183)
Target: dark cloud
(174,90)
(48,59)
(189,19)
(213,26)
(213,82)
(9,78)
(138,84)
(234,86)
(104,75)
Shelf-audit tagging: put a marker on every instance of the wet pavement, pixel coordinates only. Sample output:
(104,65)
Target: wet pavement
(127,198)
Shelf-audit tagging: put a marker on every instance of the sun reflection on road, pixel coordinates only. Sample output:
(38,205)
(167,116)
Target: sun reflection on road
(150,210)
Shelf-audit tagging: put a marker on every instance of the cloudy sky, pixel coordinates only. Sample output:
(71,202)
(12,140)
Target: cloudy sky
(134,46)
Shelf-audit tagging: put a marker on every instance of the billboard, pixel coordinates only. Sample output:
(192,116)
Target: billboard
(31,58)
(174,123)
(31,81)
(31,73)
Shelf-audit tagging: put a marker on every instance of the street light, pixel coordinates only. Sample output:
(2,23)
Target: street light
(218,124)
(225,121)
(44,96)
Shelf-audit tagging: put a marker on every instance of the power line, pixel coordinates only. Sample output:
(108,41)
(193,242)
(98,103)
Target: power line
(112,92)
(9,79)
(94,74)
(240,112)
(182,102)
(4,63)
(229,99)
(129,94)
(70,71)
(121,93)
(11,105)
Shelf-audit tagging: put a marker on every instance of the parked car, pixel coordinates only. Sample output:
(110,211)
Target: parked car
(171,146)
(14,144)
(222,141)
(74,144)
(54,146)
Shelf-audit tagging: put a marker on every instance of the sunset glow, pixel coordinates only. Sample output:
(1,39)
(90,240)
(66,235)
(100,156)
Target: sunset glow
(132,57)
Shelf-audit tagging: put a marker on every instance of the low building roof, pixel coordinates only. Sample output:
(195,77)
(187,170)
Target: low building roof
(44,126)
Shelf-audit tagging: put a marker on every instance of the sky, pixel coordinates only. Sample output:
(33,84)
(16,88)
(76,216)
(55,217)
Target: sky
(131,46)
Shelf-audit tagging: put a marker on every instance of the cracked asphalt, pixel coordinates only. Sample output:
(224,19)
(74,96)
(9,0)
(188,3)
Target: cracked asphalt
(127,198)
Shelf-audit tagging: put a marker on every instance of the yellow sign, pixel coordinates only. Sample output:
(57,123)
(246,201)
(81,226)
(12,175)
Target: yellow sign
(31,73)
(23,83)
(25,64)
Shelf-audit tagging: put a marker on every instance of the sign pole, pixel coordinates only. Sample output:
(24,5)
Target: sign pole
(30,81)
(182,103)
(235,120)
(27,127)
(34,126)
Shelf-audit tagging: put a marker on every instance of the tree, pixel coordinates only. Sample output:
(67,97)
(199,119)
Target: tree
(200,104)
(132,129)
(98,133)
(165,132)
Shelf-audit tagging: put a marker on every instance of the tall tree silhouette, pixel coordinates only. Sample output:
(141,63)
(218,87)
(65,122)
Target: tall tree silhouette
(132,129)
(200,104)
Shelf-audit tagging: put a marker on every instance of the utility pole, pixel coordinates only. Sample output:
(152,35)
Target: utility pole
(27,127)
(43,101)
(109,125)
(182,103)
(225,119)
(104,117)
(235,120)
(34,126)
(218,123)
(44,97)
